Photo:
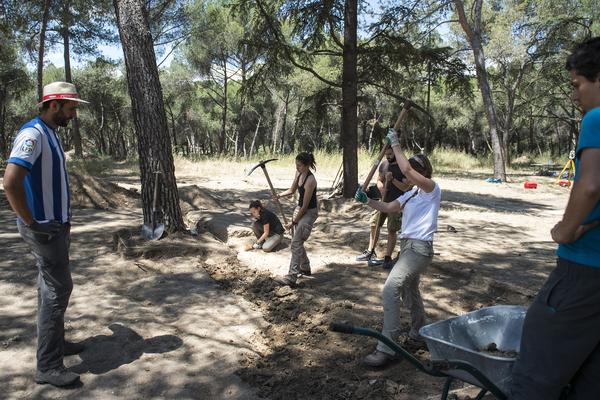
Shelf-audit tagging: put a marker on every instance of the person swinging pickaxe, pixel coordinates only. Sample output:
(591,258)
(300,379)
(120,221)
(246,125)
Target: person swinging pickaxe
(261,164)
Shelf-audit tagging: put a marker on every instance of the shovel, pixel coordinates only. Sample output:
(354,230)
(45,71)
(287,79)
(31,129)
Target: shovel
(154,231)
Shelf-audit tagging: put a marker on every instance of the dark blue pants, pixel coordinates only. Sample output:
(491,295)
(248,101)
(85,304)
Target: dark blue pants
(560,344)
(54,289)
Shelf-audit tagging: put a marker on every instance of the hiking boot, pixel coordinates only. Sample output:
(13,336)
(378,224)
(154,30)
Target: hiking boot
(73,348)
(379,359)
(366,255)
(287,280)
(305,272)
(374,261)
(388,263)
(57,377)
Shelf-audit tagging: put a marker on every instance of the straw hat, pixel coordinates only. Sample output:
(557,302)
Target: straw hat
(60,91)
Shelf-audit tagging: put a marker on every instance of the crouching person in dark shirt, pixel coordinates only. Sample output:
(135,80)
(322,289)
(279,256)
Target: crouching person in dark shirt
(266,226)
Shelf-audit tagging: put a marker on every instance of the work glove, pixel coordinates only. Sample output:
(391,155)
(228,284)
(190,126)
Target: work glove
(257,246)
(361,196)
(47,229)
(392,138)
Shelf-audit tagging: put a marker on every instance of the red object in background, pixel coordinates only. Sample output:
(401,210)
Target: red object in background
(564,183)
(530,185)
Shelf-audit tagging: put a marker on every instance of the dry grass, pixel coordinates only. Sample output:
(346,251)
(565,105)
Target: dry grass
(446,161)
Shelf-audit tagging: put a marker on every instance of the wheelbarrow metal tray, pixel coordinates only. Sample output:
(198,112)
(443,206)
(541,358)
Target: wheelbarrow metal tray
(464,337)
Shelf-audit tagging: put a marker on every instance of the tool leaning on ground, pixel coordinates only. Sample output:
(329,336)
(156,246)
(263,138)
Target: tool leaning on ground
(261,164)
(154,231)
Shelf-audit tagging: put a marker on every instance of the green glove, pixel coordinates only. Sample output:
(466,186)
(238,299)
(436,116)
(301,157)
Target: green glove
(361,196)
(392,138)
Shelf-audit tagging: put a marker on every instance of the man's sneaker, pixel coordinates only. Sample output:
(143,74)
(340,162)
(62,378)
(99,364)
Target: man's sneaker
(388,263)
(287,280)
(56,377)
(379,359)
(366,255)
(374,262)
(73,348)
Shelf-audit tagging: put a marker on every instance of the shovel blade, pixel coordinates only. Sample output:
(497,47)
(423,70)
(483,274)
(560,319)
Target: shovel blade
(151,233)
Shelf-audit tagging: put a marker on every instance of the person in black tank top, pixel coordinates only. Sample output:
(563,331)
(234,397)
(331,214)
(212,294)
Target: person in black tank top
(303,218)
(391,184)
(313,199)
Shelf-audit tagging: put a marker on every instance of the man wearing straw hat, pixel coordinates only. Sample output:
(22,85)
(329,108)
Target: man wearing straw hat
(37,188)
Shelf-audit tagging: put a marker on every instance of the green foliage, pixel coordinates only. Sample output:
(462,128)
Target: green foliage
(282,64)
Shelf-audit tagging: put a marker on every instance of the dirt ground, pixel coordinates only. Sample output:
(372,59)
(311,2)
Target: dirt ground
(199,317)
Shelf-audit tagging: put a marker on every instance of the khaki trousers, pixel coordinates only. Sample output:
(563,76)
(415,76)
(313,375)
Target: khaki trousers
(300,262)
(402,287)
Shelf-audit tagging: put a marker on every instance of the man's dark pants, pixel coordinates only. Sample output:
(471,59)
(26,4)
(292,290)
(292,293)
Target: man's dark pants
(54,289)
(561,338)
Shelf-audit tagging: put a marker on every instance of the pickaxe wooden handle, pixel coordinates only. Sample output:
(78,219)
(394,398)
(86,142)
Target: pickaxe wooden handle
(401,118)
(274,194)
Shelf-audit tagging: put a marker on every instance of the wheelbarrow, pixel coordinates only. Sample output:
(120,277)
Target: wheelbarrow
(458,348)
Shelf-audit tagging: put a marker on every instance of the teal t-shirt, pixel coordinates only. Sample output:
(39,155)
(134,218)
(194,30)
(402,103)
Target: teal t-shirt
(586,250)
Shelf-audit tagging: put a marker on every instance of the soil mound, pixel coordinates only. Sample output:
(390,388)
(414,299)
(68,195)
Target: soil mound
(194,198)
(91,192)
(130,244)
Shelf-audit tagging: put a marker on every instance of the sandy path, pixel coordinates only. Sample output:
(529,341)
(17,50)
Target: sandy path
(167,332)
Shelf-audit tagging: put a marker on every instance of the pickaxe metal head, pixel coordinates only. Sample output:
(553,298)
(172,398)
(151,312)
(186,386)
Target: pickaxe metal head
(260,164)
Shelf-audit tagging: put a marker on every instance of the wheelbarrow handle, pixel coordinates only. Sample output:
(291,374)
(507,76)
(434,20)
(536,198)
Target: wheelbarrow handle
(347,328)
(341,327)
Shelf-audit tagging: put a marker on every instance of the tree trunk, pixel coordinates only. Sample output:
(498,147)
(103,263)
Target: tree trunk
(243,118)
(150,121)
(173,131)
(429,138)
(101,134)
(348,135)
(41,48)
(292,140)
(473,33)
(223,134)
(370,142)
(276,127)
(254,138)
(284,123)
(530,141)
(66,22)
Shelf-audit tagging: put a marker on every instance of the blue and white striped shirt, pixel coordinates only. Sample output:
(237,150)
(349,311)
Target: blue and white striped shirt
(37,148)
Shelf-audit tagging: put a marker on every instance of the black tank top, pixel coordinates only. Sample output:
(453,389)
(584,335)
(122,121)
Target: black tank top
(393,192)
(301,190)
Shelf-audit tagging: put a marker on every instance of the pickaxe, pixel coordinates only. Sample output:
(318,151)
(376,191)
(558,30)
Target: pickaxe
(262,165)
(407,106)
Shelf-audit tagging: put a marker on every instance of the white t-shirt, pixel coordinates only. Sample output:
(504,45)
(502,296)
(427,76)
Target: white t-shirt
(419,218)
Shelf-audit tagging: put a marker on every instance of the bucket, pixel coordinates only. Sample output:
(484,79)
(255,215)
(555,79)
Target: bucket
(530,185)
